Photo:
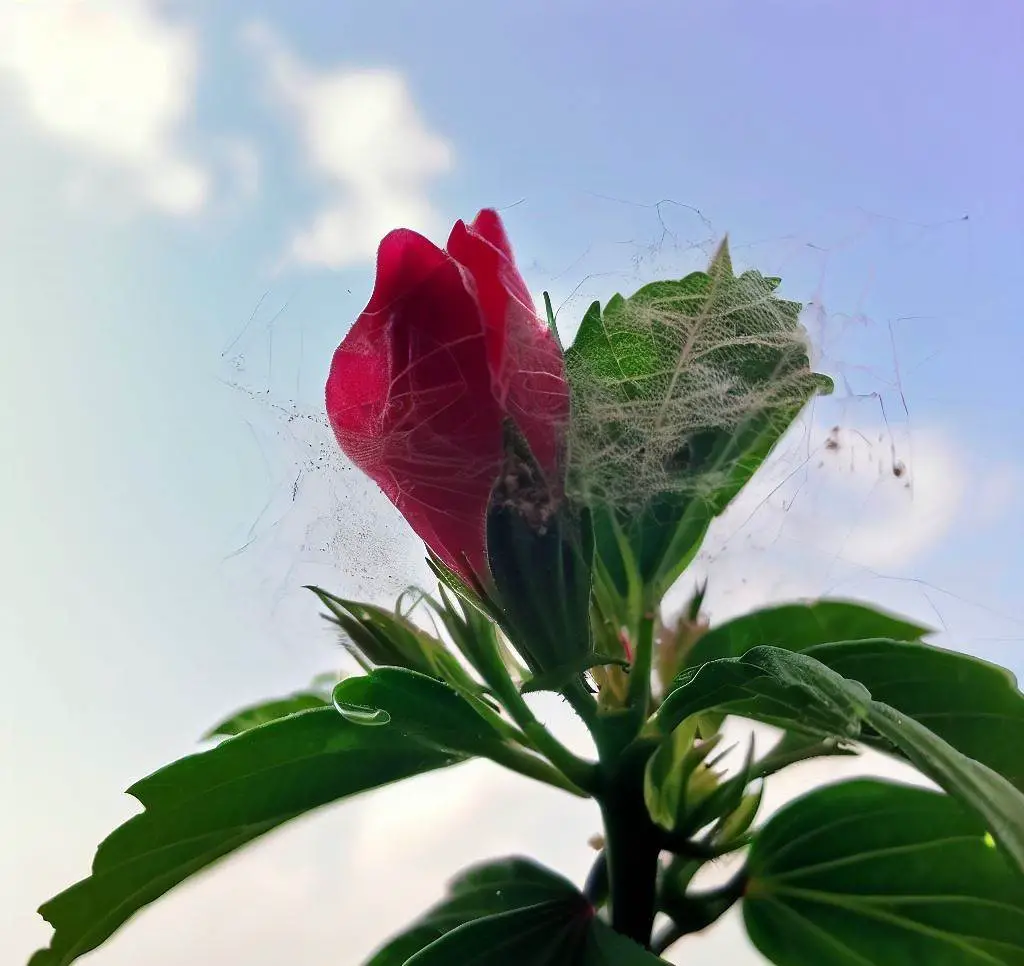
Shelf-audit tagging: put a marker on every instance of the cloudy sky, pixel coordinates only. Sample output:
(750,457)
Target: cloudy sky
(191,195)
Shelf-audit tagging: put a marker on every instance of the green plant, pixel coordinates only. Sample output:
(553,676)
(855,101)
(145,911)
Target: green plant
(553,554)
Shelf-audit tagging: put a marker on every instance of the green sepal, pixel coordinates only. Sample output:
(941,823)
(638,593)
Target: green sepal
(560,677)
(540,550)
(475,635)
(377,637)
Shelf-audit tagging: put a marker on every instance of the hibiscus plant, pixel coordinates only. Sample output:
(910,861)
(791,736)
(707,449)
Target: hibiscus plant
(560,493)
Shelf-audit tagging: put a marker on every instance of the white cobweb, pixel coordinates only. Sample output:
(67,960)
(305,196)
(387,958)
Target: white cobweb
(851,502)
(320,521)
(697,366)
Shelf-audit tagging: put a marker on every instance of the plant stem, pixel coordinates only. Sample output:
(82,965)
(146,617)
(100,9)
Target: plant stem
(631,845)
(695,912)
(640,673)
(517,760)
(583,774)
(582,702)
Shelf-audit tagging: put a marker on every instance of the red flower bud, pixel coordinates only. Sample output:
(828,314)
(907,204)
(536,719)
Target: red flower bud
(448,348)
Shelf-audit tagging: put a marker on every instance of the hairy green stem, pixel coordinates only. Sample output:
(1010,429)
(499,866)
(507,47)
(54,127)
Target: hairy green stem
(583,774)
(518,760)
(582,702)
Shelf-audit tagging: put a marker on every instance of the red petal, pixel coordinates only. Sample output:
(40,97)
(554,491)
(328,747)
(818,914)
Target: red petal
(410,399)
(488,224)
(526,364)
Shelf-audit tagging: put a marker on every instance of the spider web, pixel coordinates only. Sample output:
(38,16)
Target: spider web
(693,360)
(802,527)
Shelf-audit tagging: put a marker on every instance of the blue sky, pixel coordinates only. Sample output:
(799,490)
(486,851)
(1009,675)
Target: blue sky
(191,199)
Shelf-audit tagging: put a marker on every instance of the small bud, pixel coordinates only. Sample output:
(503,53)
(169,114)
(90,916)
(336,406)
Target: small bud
(612,685)
(740,819)
(673,646)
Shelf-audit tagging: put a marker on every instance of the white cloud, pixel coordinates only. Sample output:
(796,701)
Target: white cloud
(112,80)
(365,141)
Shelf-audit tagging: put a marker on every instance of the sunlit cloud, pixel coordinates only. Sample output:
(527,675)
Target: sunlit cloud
(364,142)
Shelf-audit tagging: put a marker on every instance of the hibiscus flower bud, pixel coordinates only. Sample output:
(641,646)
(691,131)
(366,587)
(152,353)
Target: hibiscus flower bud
(449,350)
(451,393)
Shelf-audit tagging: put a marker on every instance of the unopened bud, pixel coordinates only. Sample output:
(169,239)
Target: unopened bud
(672,647)
(741,818)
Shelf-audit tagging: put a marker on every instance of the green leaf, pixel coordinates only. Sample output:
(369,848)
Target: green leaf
(770,684)
(679,394)
(868,873)
(979,787)
(204,806)
(316,695)
(422,707)
(493,887)
(798,626)
(517,913)
(441,718)
(795,691)
(606,947)
(547,933)
(265,711)
(975,706)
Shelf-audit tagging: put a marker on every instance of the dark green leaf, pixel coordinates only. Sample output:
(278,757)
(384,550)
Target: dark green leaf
(512,913)
(770,684)
(795,691)
(605,947)
(484,890)
(975,706)
(423,708)
(202,807)
(799,626)
(979,787)
(869,873)
(258,714)
(542,935)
